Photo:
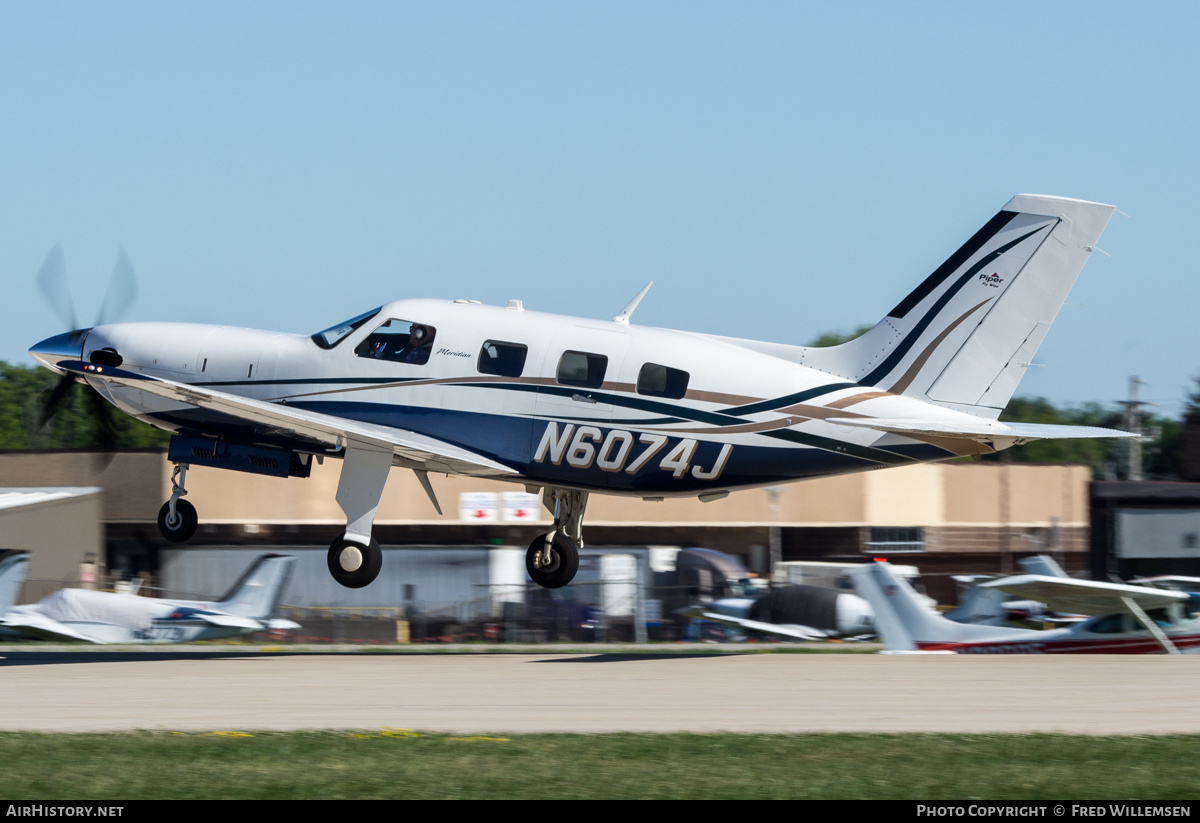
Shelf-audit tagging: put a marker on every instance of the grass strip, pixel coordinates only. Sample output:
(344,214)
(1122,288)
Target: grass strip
(402,764)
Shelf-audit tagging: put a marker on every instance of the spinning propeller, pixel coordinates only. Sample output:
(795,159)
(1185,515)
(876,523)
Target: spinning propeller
(122,291)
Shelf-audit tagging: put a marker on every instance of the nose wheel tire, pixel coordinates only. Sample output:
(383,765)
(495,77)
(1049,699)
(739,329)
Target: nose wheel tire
(352,564)
(181,527)
(559,569)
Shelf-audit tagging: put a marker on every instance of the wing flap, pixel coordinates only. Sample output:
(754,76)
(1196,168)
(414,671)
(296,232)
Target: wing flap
(426,452)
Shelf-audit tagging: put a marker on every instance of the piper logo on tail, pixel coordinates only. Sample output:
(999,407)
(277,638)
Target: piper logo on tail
(994,280)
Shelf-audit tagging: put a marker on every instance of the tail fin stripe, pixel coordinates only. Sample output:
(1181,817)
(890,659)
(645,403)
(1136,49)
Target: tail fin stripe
(902,384)
(902,349)
(993,227)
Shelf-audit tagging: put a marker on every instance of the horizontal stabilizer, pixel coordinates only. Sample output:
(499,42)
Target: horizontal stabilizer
(981,429)
(798,632)
(198,618)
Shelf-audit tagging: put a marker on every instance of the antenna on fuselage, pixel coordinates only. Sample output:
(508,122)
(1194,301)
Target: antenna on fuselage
(623,317)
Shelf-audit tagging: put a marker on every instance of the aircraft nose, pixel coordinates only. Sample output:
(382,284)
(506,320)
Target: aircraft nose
(65,346)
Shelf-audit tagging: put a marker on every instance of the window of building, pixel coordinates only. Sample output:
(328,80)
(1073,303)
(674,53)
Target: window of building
(662,381)
(399,341)
(577,368)
(892,539)
(504,359)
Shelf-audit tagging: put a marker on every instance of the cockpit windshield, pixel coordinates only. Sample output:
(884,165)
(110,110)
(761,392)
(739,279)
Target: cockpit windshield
(334,334)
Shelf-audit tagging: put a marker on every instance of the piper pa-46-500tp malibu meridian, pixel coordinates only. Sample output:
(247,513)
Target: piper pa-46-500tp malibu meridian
(573,406)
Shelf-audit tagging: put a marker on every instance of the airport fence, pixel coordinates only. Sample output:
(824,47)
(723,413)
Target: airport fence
(587,611)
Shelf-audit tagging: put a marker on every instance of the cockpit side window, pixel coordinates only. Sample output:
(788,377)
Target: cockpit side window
(400,341)
(577,368)
(333,335)
(504,359)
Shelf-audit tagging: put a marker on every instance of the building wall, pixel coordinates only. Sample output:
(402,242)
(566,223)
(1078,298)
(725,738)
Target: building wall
(60,535)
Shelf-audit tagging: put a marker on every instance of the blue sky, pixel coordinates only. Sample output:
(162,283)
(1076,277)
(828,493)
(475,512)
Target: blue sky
(778,169)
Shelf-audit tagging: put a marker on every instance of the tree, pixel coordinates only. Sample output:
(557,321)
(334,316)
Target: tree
(23,393)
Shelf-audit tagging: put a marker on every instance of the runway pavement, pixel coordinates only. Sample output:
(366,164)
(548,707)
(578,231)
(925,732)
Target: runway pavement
(193,688)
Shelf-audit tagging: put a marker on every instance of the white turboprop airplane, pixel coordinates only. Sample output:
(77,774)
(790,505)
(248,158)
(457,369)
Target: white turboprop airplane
(572,407)
(1128,619)
(103,617)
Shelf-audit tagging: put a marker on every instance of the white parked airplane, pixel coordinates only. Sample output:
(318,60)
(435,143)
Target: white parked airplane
(1128,619)
(103,617)
(572,407)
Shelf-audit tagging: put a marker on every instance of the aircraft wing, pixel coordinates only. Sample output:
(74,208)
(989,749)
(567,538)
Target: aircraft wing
(424,452)
(39,627)
(981,429)
(1065,594)
(788,630)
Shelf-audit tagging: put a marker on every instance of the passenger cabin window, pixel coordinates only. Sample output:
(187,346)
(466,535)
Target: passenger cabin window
(577,368)
(399,341)
(662,381)
(504,359)
(333,335)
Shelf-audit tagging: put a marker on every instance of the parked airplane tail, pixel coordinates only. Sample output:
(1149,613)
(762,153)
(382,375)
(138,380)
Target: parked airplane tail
(905,625)
(964,337)
(258,590)
(13,566)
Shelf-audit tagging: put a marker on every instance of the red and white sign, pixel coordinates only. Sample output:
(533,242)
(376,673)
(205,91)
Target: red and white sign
(520,507)
(478,507)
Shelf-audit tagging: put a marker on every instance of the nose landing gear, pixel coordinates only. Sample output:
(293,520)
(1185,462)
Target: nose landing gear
(177,519)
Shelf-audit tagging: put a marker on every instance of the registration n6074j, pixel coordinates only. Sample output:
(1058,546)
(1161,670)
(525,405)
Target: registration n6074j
(584,446)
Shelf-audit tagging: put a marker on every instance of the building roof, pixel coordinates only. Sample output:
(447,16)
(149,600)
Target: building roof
(13,498)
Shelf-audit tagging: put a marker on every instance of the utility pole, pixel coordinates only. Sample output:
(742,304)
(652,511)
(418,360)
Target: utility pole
(1133,423)
(774,537)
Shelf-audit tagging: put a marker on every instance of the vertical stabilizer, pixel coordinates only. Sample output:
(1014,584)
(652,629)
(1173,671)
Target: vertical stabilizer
(905,625)
(964,337)
(13,566)
(258,591)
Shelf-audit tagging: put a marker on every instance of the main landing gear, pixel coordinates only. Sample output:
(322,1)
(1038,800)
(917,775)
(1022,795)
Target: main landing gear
(177,519)
(353,564)
(553,557)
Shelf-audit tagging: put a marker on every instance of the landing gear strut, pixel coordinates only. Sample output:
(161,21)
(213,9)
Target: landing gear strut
(177,518)
(553,557)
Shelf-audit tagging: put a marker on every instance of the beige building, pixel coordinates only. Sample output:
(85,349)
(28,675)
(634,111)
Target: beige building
(944,518)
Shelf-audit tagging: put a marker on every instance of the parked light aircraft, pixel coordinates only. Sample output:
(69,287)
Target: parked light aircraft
(991,606)
(1128,619)
(103,617)
(572,407)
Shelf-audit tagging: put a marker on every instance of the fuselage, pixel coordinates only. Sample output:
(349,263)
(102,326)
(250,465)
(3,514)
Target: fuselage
(1109,634)
(103,617)
(571,402)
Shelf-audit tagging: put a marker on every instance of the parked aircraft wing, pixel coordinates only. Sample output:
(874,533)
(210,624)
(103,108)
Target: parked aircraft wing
(428,453)
(798,632)
(38,627)
(981,429)
(1065,594)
